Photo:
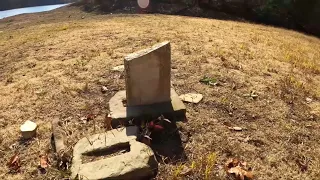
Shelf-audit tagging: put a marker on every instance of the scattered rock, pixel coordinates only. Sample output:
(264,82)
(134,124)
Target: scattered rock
(104,89)
(28,129)
(236,128)
(191,97)
(309,100)
(118,68)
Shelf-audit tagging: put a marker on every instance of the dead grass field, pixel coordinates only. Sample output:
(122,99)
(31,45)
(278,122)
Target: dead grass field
(54,64)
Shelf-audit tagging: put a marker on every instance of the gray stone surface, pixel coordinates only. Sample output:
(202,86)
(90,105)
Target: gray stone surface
(148,75)
(136,164)
(119,111)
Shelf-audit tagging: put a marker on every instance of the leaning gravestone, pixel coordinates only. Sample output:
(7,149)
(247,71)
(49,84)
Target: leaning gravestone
(148,85)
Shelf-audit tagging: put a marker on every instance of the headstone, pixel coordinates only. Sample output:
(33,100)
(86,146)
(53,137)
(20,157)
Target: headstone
(148,86)
(138,163)
(148,75)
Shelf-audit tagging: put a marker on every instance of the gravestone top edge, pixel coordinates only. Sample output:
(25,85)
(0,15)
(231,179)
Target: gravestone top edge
(146,51)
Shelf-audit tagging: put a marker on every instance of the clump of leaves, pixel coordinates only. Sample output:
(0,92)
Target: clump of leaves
(43,163)
(14,164)
(156,125)
(238,170)
(209,81)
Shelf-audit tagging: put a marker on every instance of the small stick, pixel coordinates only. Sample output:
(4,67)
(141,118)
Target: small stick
(60,147)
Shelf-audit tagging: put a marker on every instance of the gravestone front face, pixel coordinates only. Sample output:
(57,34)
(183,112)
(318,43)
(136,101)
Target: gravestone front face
(148,75)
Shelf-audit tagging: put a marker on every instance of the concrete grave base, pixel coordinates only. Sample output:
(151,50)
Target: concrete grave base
(138,163)
(118,111)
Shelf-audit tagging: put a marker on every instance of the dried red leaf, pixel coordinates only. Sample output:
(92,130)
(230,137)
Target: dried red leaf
(14,163)
(151,125)
(90,117)
(238,169)
(158,128)
(108,122)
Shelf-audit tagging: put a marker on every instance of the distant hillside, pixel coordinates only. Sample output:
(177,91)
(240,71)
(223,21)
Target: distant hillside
(302,15)
(13,4)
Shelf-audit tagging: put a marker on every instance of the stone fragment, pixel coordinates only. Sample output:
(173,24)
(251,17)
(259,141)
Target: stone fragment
(138,163)
(104,89)
(191,97)
(28,129)
(118,68)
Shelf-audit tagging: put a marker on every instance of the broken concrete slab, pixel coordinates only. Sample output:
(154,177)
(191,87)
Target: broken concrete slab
(119,111)
(136,164)
(148,75)
(191,97)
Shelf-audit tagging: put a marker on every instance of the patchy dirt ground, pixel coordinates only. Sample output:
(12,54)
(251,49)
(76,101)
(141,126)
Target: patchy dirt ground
(54,64)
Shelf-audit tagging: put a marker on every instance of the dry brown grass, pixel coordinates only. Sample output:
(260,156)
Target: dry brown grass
(54,65)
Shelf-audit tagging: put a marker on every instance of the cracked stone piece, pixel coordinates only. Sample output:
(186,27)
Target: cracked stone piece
(136,164)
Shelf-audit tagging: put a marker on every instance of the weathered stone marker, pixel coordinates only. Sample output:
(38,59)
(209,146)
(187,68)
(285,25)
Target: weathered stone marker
(148,75)
(148,86)
(136,164)
(148,92)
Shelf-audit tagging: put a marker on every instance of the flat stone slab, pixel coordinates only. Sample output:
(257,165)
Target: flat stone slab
(136,164)
(119,111)
(191,97)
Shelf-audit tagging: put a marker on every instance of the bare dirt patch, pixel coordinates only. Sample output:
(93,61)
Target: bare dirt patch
(54,64)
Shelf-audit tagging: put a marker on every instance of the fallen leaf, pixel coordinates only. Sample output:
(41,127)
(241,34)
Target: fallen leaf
(90,117)
(303,165)
(14,163)
(238,169)
(158,128)
(209,81)
(185,171)
(43,161)
(107,122)
(237,172)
